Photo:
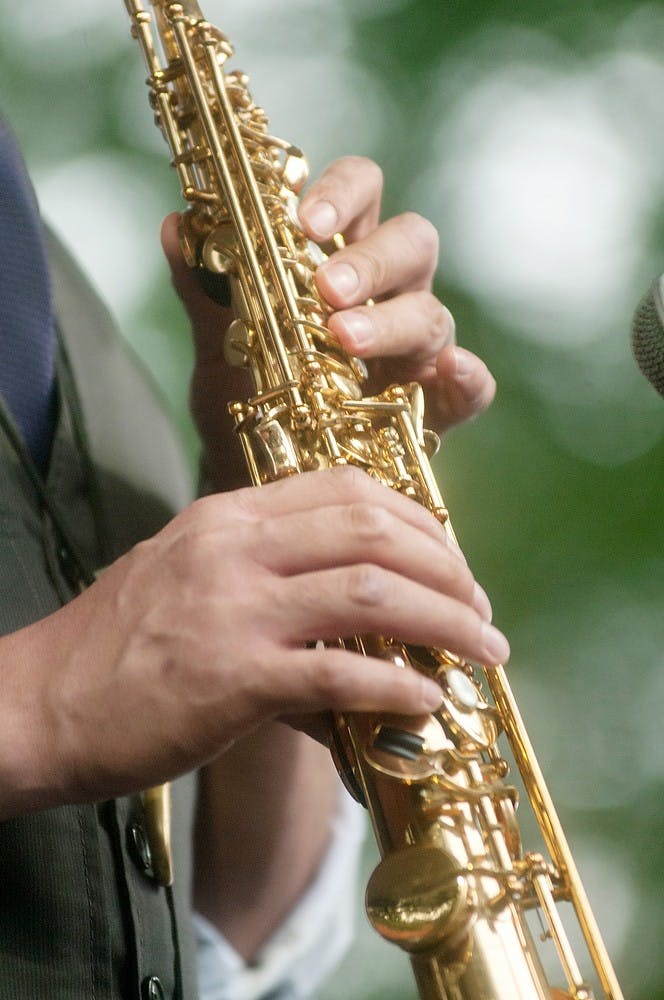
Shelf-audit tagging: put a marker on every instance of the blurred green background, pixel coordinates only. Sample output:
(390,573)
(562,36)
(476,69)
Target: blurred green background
(533,137)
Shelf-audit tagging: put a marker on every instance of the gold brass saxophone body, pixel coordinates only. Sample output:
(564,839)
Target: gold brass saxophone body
(454,887)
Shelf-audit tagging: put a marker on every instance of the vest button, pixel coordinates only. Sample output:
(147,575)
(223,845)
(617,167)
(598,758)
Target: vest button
(139,849)
(152,989)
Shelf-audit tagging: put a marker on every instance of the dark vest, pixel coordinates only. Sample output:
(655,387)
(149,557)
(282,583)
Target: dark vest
(80,915)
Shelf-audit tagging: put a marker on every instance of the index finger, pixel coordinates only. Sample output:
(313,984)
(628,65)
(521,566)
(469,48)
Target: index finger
(345,199)
(345,485)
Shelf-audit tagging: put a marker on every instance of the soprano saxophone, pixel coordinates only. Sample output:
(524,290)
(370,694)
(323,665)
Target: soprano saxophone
(454,887)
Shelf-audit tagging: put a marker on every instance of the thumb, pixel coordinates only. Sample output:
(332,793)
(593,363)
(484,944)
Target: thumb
(209,320)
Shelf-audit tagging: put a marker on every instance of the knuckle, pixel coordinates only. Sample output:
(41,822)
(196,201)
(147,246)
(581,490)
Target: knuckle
(372,268)
(242,504)
(465,584)
(369,523)
(436,317)
(367,585)
(341,175)
(468,631)
(186,551)
(330,680)
(354,164)
(204,510)
(353,483)
(422,234)
(190,554)
(371,170)
(262,535)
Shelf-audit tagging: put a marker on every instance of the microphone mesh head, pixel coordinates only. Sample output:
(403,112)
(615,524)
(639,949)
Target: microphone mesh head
(648,336)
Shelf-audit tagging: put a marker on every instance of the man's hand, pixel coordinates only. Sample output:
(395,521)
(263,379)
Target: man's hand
(407,335)
(201,633)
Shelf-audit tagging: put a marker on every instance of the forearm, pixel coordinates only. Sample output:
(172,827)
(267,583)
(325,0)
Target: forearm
(263,826)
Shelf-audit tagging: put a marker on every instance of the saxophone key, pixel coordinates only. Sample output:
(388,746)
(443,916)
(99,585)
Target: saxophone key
(418,898)
(405,748)
(238,344)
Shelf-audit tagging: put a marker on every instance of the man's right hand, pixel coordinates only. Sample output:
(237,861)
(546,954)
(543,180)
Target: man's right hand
(199,634)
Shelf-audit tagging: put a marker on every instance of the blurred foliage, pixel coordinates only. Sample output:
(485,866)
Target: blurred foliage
(569,543)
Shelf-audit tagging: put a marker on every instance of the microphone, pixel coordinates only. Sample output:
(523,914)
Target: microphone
(648,335)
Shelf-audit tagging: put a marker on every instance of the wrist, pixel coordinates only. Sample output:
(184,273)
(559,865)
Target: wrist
(32,772)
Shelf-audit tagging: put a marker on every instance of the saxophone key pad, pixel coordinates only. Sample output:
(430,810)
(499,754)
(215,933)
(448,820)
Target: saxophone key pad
(292,203)
(406,748)
(465,710)
(462,689)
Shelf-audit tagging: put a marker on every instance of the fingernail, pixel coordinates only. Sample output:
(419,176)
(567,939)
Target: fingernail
(322,218)
(481,603)
(496,646)
(464,362)
(432,695)
(451,322)
(357,327)
(343,278)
